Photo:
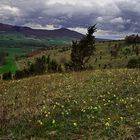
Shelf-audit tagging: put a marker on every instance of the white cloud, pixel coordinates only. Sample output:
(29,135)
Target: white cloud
(79,29)
(120,16)
(38,26)
(9,9)
(117,20)
(100,19)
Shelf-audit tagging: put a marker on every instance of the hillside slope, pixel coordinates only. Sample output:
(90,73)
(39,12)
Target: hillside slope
(61,33)
(88,105)
(39,33)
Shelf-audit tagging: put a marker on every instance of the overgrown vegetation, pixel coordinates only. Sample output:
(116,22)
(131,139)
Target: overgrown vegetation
(7,76)
(40,66)
(134,63)
(84,105)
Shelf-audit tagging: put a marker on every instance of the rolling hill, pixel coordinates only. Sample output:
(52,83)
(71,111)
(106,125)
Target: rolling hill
(88,105)
(40,33)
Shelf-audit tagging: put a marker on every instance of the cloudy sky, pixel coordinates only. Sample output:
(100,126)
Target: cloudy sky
(114,18)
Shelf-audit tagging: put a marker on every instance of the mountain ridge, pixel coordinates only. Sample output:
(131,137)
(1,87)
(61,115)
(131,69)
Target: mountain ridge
(39,33)
(42,33)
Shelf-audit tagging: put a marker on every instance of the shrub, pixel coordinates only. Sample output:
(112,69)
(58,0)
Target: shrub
(134,63)
(19,74)
(48,59)
(63,60)
(68,66)
(7,76)
(60,68)
(39,67)
(53,66)
(3,57)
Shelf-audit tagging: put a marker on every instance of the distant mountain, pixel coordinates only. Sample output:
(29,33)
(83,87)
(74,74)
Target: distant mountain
(102,40)
(40,33)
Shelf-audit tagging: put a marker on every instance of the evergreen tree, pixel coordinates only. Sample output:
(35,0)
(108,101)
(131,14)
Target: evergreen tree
(39,66)
(82,50)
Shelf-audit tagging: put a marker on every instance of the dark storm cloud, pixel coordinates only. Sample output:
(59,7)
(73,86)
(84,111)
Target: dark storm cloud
(112,16)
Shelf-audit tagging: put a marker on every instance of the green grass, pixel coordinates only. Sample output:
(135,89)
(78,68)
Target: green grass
(119,62)
(60,41)
(10,64)
(93,105)
(19,40)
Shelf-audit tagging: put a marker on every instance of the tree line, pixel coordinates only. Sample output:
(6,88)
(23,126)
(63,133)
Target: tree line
(132,39)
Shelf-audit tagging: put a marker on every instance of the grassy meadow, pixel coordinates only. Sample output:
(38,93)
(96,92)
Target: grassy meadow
(93,105)
(98,60)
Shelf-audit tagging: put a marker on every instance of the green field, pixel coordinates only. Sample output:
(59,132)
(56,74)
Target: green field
(18,40)
(60,41)
(90,105)
(10,64)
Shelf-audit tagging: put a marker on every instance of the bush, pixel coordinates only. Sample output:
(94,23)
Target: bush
(48,59)
(68,66)
(7,76)
(3,57)
(63,60)
(53,66)
(60,69)
(134,63)
(39,67)
(19,74)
